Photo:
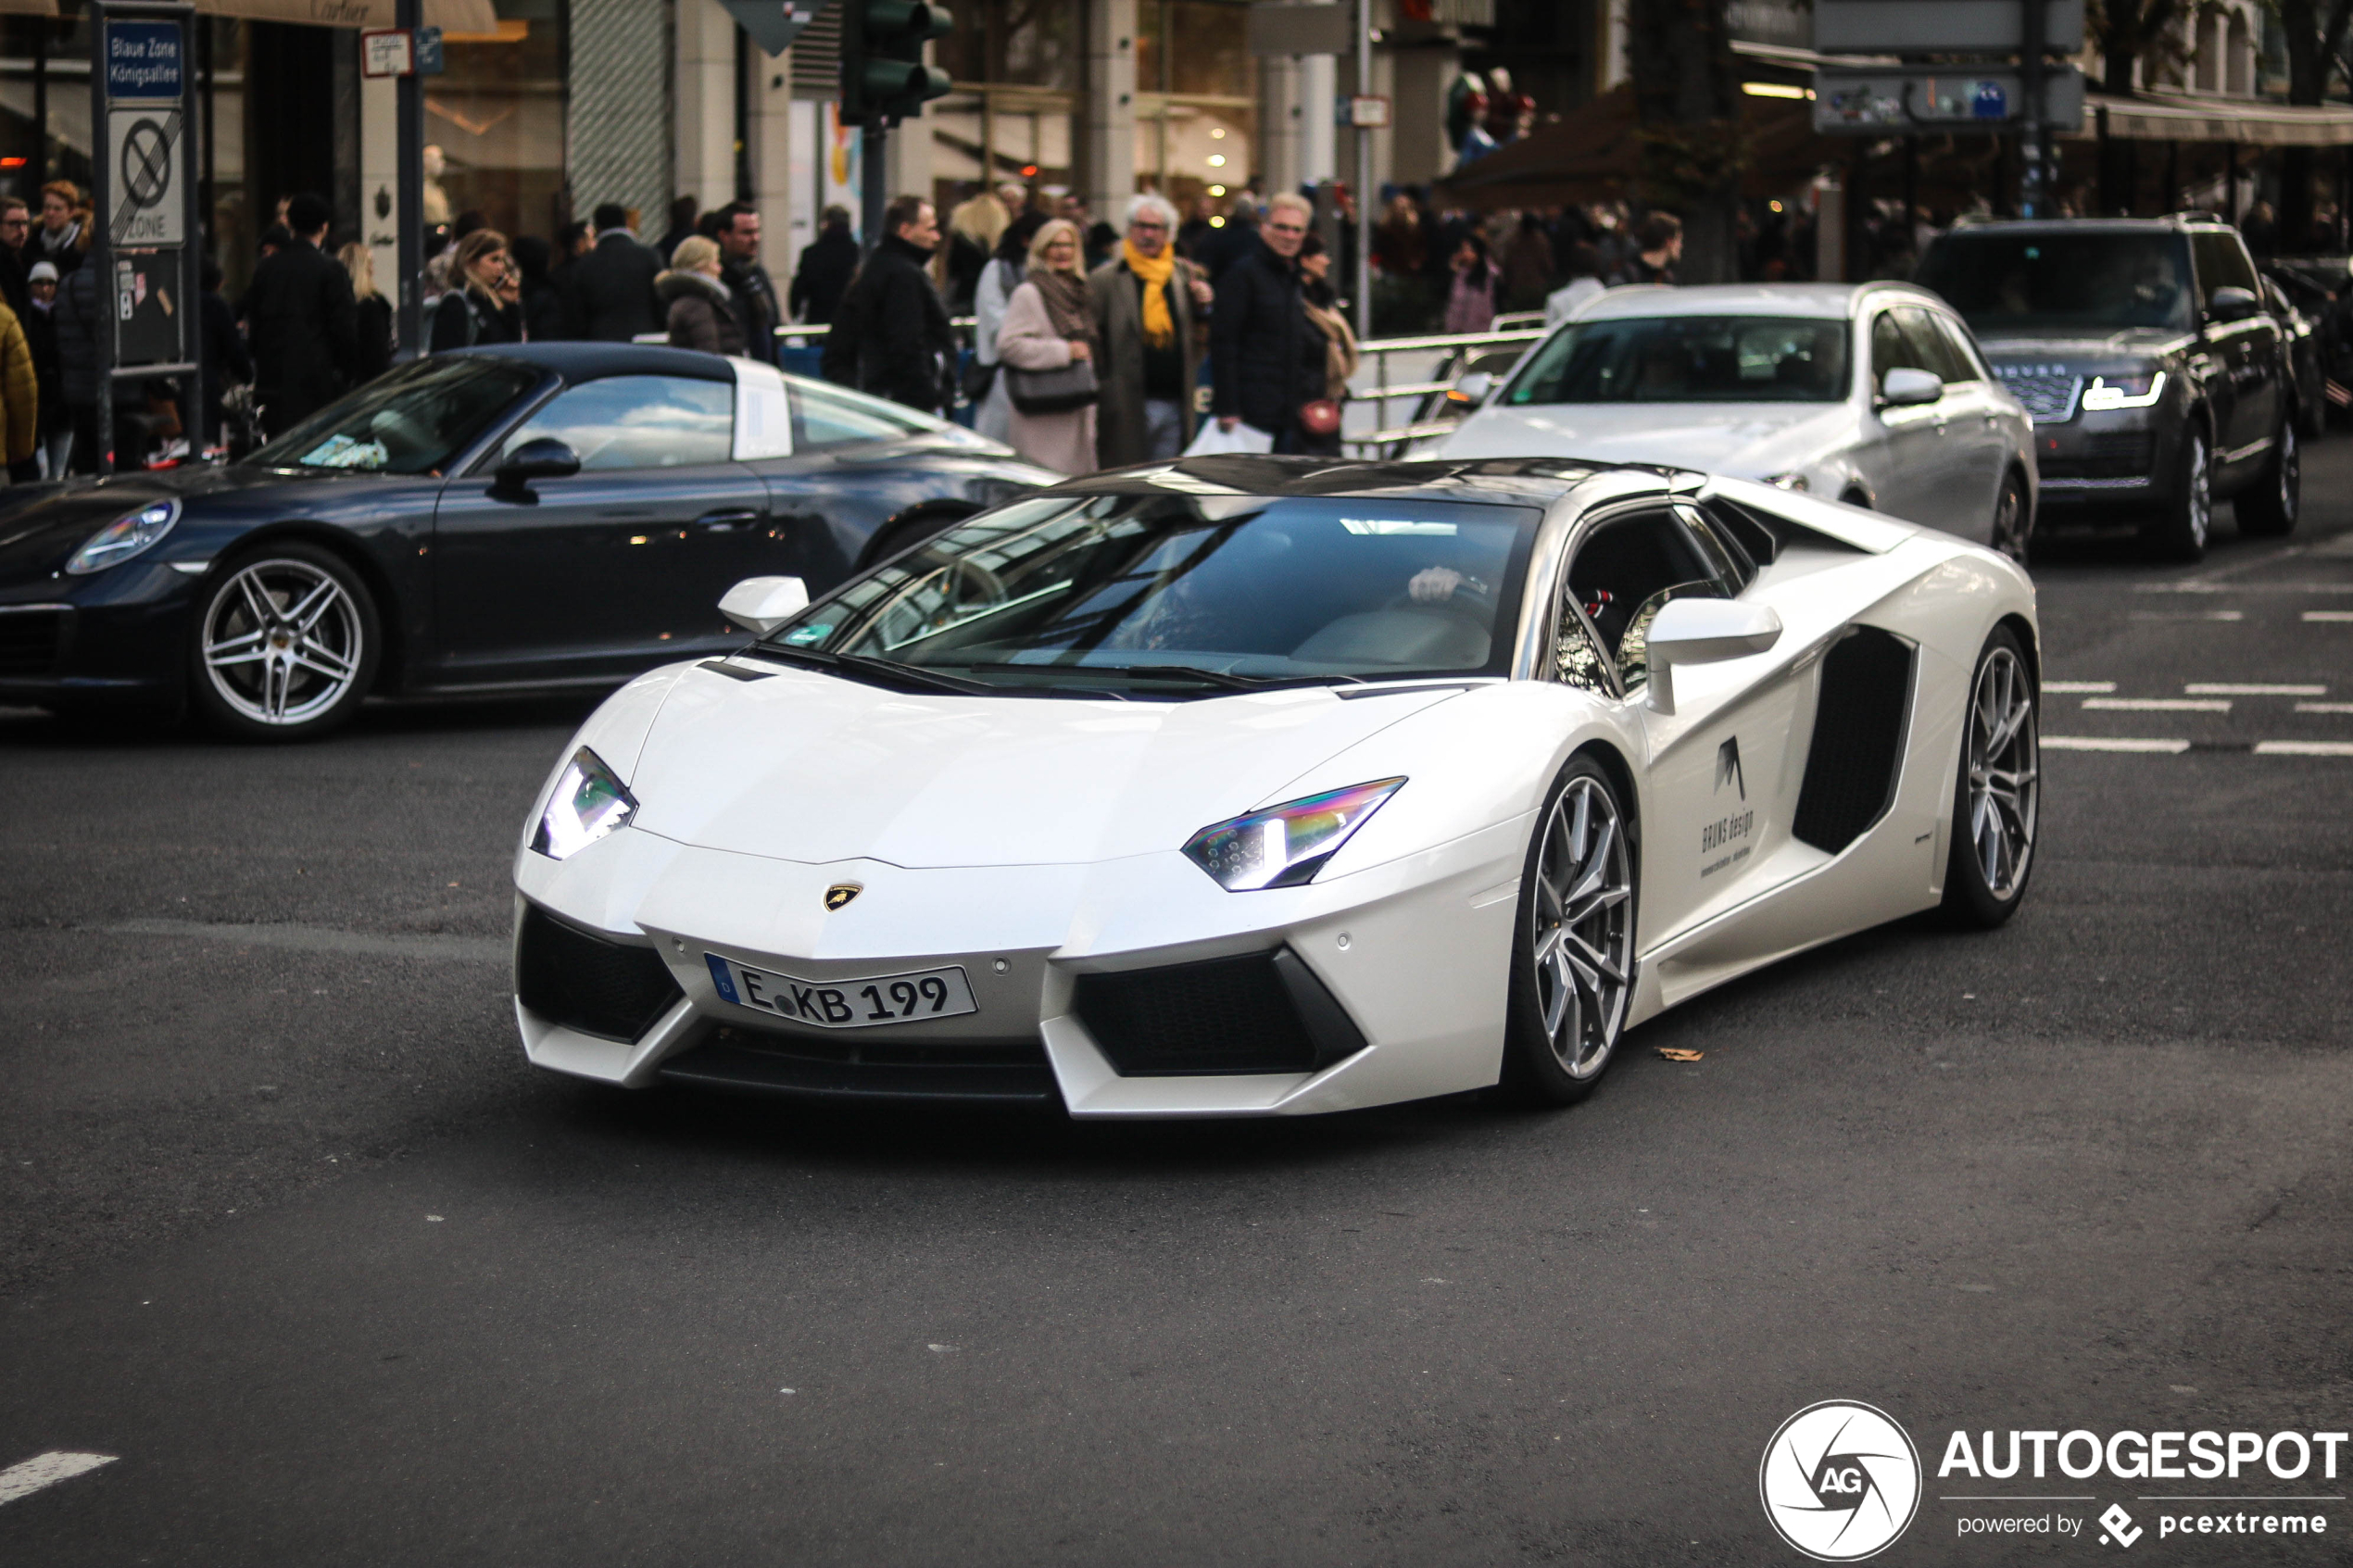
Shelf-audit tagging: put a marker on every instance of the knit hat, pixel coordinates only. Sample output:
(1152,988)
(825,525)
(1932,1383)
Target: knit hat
(42,272)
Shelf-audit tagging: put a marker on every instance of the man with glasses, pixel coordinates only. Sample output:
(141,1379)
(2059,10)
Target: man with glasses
(1264,356)
(16,230)
(1146,298)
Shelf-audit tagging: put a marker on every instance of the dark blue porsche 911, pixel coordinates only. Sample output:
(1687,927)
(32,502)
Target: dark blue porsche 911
(521,516)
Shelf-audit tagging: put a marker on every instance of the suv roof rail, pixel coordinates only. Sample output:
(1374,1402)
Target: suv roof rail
(1966,220)
(2196,215)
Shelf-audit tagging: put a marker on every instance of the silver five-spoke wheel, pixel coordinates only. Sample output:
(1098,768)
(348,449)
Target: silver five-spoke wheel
(285,642)
(1576,966)
(1996,804)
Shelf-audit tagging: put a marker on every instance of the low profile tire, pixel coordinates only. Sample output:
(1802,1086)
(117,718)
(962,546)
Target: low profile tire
(2179,532)
(2013,524)
(2270,510)
(286,646)
(1997,797)
(1572,977)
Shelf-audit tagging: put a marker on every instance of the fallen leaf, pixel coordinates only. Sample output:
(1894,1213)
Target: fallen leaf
(1671,1054)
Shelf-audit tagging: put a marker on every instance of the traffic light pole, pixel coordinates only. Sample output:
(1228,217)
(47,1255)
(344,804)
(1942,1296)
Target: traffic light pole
(874,182)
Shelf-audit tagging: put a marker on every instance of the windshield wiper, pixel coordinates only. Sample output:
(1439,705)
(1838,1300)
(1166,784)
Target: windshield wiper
(1224,679)
(875,672)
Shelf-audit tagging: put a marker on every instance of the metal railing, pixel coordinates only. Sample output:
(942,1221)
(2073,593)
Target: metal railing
(1457,350)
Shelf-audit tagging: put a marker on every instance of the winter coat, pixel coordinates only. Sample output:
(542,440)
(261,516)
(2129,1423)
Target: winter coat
(1119,318)
(890,336)
(702,312)
(374,316)
(824,271)
(1470,307)
(303,325)
(1028,341)
(994,417)
(609,294)
(20,390)
(224,356)
(1265,357)
(757,313)
(462,319)
(40,332)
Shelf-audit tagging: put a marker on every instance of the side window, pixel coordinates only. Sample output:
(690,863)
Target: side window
(2222,264)
(638,422)
(1940,346)
(1722,549)
(821,418)
(1892,348)
(1624,574)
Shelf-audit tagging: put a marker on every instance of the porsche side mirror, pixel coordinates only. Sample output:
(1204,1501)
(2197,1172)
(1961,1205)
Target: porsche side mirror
(1904,387)
(2233,304)
(760,604)
(1471,388)
(544,458)
(1704,632)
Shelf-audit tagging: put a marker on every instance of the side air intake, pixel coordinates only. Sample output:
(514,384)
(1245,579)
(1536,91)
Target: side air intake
(1858,738)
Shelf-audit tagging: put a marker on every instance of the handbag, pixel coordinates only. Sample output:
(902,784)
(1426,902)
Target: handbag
(1320,418)
(979,378)
(1052,392)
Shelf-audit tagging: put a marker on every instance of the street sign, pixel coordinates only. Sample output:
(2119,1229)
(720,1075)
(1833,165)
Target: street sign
(144,200)
(430,61)
(1896,101)
(1940,27)
(143,61)
(1302,30)
(1366,111)
(147,327)
(773,24)
(389,52)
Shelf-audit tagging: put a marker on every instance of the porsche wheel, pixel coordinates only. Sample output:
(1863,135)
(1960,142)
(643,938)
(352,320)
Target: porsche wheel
(1995,801)
(1572,975)
(286,643)
(2269,510)
(2179,531)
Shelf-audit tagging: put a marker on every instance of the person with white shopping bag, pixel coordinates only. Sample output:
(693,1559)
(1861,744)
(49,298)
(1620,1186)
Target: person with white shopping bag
(1267,358)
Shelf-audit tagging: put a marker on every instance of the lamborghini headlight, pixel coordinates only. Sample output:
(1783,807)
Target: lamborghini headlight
(123,538)
(1284,846)
(589,802)
(2135,391)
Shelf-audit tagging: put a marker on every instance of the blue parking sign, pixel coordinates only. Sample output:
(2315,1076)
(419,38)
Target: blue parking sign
(144,59)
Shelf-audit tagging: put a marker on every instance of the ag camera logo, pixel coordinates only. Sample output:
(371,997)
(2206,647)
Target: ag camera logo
(1840,1480)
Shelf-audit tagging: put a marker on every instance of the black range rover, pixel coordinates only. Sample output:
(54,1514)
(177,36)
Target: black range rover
(2142,348)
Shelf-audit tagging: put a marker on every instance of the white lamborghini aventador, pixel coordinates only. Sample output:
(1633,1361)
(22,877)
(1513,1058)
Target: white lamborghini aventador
(1268,785)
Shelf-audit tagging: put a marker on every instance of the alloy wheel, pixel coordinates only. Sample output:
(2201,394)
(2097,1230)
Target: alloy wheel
(283,642)
(1584,930)
(2009,523)
(2290,466)
(2003,773)
(2197,503)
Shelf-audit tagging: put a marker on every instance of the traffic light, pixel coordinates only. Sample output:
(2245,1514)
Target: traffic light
(883,74)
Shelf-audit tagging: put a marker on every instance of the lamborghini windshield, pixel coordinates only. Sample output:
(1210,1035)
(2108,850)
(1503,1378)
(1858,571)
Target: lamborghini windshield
(1140,593)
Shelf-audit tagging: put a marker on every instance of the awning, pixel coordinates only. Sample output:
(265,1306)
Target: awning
(2178,117)
(1591,154)
(450,15)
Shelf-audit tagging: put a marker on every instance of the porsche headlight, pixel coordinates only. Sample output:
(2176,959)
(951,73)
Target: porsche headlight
(123,538)
(2138,390)
(1284,846)
(589,802)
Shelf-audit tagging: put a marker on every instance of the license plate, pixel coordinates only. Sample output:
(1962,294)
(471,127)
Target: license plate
(844,1004)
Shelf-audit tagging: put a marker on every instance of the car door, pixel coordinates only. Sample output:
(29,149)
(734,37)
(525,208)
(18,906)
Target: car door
(610,569)
(2247,413)
(1717,764)
(1976,441)
(1902,453)
(824,512)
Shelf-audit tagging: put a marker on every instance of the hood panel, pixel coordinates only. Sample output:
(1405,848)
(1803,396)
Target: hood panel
(801,766)
(1746,440)
(42,525)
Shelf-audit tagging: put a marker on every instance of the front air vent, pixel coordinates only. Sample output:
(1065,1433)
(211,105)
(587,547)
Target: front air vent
(1858,738)
(588,983)
(31,640)
(1265,1013)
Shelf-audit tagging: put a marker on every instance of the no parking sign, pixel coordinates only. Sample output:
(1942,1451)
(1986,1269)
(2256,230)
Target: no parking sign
(144,204)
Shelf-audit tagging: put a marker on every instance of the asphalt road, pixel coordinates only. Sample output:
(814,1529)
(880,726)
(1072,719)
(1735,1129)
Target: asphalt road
(289,1230)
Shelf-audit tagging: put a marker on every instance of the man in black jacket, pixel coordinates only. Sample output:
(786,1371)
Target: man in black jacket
(301,321)
(890,334)
(1260,338)
(756,309)
(825,269)
(609,294)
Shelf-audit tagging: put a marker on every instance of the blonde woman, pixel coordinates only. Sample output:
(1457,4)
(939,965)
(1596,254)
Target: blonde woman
(374,313)
(972,231)
(476,310)
(1050,324)
(701,307)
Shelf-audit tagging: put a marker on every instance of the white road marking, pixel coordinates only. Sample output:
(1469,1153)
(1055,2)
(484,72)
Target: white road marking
(2227,688)
(2079,685)
(2324,707)
(47,1470)
(2304,748)
(2328,614)
(2209,615)
(2157,704)
(2110,743)
(2244,588)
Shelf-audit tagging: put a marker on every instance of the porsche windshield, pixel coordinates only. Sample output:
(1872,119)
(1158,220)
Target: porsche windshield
(1208,593)
(1688,359)
(2099,281)
(413,421)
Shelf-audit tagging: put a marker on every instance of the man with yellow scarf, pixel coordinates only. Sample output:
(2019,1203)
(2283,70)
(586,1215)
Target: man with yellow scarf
(1146,299)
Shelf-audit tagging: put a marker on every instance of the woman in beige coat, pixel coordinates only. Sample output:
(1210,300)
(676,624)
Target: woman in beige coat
(1050,323)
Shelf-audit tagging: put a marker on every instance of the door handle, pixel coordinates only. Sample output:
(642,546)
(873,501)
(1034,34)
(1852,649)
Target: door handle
(726,521)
